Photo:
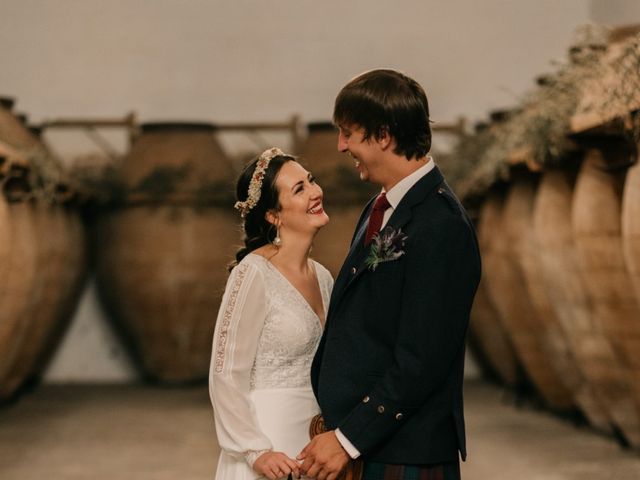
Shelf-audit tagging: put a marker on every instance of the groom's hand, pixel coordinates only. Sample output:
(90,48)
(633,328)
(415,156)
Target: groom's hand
(323,458)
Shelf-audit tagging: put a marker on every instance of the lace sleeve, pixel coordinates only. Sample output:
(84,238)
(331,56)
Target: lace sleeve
(238,327)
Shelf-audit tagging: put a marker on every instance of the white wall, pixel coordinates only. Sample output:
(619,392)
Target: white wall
(246,60)
(250,60)
(615,12)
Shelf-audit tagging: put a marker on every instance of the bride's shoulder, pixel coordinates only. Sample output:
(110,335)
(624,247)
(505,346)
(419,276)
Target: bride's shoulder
(251,261)
(251,265)
(248,275)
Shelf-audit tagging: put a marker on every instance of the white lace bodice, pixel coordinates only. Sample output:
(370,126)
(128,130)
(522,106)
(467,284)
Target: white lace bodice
(265,338)
(290,334)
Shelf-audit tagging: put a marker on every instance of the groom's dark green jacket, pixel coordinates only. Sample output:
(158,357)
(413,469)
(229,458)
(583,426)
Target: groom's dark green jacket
(389,368)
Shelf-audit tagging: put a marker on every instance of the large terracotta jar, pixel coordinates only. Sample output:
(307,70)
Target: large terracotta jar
(631,225)
(486,326)
(568,296)
(596,223)
(507,285)
(161,253)
(42,258)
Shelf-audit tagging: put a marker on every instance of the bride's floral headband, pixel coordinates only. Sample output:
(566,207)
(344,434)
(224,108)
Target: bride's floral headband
(255,185)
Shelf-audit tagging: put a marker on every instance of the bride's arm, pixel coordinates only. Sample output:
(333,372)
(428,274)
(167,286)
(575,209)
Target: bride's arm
(238,327)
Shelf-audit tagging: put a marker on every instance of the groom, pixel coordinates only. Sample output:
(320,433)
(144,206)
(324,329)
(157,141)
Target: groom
(388,372)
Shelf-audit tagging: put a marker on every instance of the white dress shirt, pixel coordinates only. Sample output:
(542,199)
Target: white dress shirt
(400,189)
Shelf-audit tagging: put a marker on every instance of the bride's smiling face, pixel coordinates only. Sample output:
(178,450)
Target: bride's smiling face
(300,199)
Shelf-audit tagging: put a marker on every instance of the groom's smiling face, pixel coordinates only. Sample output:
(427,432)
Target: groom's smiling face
(365,152)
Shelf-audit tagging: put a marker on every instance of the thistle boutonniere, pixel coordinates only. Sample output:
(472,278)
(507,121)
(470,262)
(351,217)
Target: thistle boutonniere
(386,246)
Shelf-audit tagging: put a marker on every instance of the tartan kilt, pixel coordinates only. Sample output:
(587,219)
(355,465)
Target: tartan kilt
(382,471)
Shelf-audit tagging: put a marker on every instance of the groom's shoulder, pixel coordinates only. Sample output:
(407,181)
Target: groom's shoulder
(440,213)
(441,201)
(446,195)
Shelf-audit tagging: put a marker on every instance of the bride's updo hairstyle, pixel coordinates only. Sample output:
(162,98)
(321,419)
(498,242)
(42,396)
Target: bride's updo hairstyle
(257,193)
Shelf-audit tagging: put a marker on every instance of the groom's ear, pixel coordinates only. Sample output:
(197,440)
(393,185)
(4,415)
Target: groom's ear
(384,138)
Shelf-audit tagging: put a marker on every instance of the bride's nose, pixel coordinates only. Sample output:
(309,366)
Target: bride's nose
(316,192)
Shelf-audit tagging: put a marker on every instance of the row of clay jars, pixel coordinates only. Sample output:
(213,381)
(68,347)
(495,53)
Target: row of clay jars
(161,254)
(564,292)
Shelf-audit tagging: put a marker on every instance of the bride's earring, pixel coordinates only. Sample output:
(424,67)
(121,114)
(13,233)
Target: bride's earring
(277,241)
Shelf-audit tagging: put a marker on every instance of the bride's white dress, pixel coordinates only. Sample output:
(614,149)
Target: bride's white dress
(265,338)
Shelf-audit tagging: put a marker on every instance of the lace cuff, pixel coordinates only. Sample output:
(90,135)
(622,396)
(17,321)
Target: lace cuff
(252,455)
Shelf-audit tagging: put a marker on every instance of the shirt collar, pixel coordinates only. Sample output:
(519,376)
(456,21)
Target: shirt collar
(399,190)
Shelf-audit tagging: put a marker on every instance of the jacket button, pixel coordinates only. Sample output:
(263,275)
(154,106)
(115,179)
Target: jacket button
(353,270)
(380,408)
(366,399)
(399,416)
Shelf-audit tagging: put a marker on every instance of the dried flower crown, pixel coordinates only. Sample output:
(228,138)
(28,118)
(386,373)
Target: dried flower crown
(255,185)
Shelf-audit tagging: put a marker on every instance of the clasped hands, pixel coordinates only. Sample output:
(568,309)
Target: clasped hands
(323,459)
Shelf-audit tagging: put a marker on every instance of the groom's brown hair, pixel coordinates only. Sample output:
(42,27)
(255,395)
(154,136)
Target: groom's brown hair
(386,100)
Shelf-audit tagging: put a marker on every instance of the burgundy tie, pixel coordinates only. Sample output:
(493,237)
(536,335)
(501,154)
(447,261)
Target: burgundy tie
(375,219)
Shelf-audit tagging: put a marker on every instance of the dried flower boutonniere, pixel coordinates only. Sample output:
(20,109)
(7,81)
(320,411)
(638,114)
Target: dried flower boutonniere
(386,246)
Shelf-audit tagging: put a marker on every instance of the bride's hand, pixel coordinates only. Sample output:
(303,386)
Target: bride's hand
(275,465)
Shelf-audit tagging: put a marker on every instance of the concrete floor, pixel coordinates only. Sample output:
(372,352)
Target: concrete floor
(146,433)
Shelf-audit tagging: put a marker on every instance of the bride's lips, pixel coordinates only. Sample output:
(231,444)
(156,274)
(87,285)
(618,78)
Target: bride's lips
(316,209)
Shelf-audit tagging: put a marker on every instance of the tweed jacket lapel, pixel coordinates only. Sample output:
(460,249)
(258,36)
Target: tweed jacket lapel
(355,250)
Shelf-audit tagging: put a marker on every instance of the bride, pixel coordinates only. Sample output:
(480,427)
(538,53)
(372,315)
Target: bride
(269,324)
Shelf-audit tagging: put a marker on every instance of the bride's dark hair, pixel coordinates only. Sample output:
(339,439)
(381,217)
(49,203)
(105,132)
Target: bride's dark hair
(257,230)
